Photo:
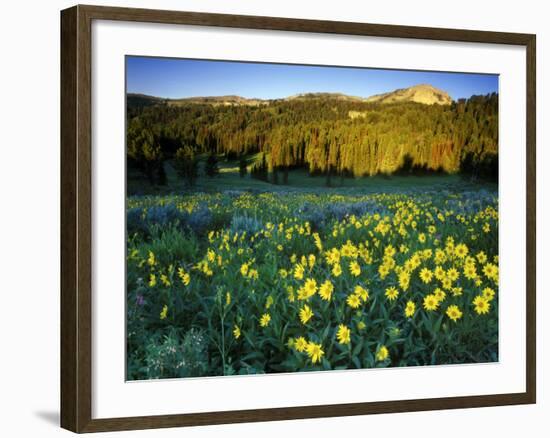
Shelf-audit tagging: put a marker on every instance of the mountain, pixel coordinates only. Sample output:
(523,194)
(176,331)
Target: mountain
(230,100)
(422,93)
(141,100)
(136,100)
(337,96)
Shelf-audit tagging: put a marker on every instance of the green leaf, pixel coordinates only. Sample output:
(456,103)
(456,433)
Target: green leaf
(357,349)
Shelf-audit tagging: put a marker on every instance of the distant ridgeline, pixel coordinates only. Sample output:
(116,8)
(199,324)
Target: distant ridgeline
(414,130)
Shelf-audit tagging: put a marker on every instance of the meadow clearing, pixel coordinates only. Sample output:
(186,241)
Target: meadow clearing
(239,276)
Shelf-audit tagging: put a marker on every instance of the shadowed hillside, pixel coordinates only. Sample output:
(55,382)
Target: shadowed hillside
(324,133)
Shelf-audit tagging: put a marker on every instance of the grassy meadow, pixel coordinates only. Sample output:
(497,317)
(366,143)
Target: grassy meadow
(238,276)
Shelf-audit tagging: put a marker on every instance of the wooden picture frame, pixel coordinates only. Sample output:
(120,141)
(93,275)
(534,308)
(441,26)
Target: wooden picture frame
(76,217)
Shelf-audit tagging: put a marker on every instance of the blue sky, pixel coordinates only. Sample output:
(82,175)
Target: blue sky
(175,78)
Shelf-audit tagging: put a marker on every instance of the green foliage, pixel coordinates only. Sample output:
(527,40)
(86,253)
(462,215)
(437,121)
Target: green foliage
(326,136)
(144,152)
(186,164)
(211,167)
(188,291)
(245,224)
(260,169)
(162,179)
(243,170)
(171,355)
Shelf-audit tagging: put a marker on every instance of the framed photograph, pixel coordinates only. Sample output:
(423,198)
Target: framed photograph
(270,218)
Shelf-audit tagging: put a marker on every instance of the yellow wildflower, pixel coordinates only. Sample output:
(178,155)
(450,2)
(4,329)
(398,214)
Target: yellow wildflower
(184,277)
(343,335)
(354,268)
(481,305)
(305,314)
(461,251)
(164,280)
(488,293)
(454,312)
(391,293)
(353,301)
(151,259)
(491,271)
(315,352)
(361,292)
(431,302)
(310,287)
(382,354)
(326,289)
(300,344)
(426,275)
(311,261)
(299,272)
(410,308)
(453,274)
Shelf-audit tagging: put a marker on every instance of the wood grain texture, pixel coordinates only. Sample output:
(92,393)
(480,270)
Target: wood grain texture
(68,347)
(76,217)
(300,25)
(531,218)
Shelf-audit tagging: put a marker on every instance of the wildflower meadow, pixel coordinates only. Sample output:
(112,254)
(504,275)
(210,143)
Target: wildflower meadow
(247,282)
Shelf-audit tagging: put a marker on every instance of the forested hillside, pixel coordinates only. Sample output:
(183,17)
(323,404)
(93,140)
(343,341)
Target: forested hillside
(323,133)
